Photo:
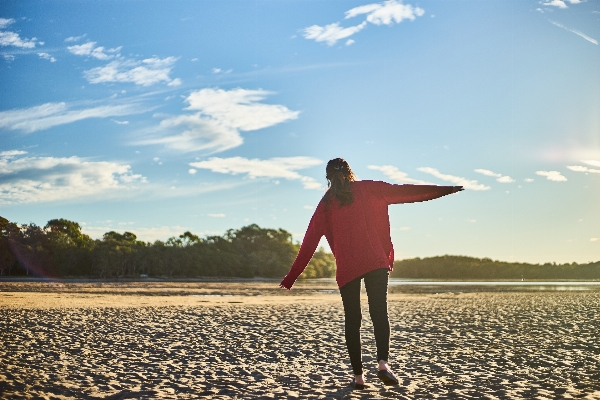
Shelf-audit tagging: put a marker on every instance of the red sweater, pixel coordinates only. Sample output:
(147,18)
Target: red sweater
(359,234)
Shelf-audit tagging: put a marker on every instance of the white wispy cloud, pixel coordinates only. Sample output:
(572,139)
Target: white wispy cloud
(559,3)
(552,175)
(47,115)
(505,179)
(578,33)
(44,179)
(279,167)
(580,168)
(499,177)
(8,38)
(554,3)
(4,22)
(221,71)
(593,163)
(385,13)
(11,153)
(219,118)
(47,56)
(331,33)
(144,73)
(460,181)
(72,39)
(396,175)
(239,108)
(219,215)
(90,49)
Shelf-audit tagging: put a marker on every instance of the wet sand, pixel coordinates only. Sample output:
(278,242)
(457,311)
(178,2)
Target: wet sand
(252,340)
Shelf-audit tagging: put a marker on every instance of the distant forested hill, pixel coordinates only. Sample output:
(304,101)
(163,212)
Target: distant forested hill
(470,268)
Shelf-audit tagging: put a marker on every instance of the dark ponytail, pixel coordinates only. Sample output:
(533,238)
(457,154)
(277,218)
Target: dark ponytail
(339,177)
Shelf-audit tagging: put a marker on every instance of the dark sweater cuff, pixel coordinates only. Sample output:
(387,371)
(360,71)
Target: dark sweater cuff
(288,281)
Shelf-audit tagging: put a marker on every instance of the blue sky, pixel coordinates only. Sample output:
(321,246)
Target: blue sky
(158,117)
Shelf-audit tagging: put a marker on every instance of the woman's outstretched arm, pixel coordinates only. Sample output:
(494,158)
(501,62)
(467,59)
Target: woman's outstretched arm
(316,229)
(395,194)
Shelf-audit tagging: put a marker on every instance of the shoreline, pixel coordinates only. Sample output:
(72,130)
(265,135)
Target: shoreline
(310,281)
(90,294)
(254,287)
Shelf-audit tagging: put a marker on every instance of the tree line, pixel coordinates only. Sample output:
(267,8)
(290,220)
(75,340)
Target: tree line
(60,250)
(470,268)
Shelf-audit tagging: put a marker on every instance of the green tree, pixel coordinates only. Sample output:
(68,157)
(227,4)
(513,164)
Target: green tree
(189,239)
(219,258)
(9,233)
(263,252)
(322,265)
(118,255)
(33,251)
(68,231)
(71,247)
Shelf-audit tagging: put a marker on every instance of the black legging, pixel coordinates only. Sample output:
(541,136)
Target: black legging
(376,283)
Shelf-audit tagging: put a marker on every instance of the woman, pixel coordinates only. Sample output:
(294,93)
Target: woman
(353,216)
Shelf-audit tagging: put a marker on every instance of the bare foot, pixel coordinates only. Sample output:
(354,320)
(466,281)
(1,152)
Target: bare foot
(359,379)
(382,365)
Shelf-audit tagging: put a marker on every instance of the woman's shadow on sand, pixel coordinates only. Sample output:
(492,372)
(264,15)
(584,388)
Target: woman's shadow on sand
(129,394)
(371,390)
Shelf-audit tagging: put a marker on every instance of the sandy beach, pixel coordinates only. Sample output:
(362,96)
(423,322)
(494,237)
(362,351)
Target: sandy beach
(251,340)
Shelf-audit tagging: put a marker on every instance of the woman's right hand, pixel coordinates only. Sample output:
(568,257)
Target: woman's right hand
(286,284)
